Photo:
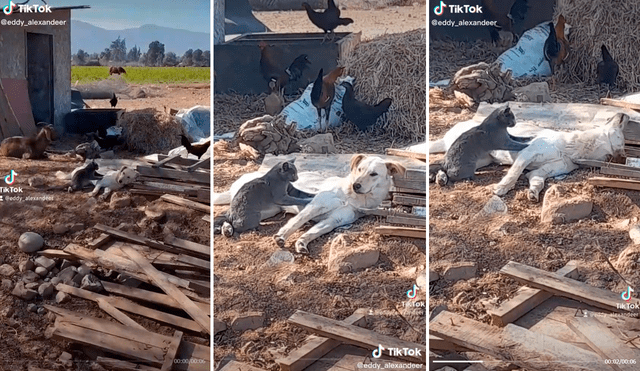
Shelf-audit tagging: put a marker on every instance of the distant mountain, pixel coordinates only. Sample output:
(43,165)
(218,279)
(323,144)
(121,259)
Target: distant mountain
(94,39)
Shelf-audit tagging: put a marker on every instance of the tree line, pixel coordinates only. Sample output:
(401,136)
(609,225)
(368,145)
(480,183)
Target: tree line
(154,57)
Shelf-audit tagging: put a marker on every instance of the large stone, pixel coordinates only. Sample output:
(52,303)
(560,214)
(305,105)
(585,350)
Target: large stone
(460,271)
(346,256)
(119,200)
(495,206)
(26,265)
(248,321)
(83,270)
(46,263)
(42,272)
(60,228)
(23,293)
(30,276)
(91,283)
(67,274)
(421,280)
(559,207)
(62,297)
(46,290)
(30,242)
(7,270)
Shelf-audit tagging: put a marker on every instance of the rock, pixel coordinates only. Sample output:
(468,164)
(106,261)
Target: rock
(41,311)
(7,284)
(65,264)
(67,274)
(46,263)
(30,242)
(537,92)
(433,276)
(66,359)
(83,270)
(41,271)
(557,208)
(26,265)
(248,321)
(634,233)
(32,285)
(32,308)
(91,283)
(76,227)
(345,256)
(437,310)
(279,257)
(60,228)
(23,293)
(107,155)
(55,280)
(320,143)
(421,280)
(119,200)
(218,326)
(62,297)
(495,206)
(460,271)
(46,290)
(7,270)
(36,181)
(30,277)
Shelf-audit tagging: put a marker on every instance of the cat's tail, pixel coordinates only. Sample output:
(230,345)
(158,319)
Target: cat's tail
(218,221)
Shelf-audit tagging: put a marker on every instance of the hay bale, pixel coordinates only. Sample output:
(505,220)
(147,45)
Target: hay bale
(150,131)
(594,23)
(393,66)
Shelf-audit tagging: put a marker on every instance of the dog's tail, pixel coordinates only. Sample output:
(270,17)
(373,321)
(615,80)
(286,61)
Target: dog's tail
(434,168)
(223,198)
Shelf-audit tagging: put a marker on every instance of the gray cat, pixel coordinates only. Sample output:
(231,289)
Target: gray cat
(81,177)
(262,198)
(460,161)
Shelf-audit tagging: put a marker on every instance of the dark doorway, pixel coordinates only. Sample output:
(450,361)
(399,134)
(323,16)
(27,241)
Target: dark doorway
(40,75)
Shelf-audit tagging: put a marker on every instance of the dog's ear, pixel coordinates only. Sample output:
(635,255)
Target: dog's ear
(355,161)
(395,168)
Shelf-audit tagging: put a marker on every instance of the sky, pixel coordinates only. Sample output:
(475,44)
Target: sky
(191,15)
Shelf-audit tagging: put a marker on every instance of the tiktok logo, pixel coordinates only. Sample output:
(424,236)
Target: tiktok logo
(438,10)
(412,293)
(9,179)
(626,295)
(377,352)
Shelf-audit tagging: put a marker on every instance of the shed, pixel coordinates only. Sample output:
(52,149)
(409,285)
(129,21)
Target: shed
(35,69)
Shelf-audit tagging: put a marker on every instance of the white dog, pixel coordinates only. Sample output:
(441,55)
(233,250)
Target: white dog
(115,180)
(550,153)
(366,186)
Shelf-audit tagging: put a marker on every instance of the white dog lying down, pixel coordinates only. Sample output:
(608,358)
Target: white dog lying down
(550,153)
(115,180)
(339,200)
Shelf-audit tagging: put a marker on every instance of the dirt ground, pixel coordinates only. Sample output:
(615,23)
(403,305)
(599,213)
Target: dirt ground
(456,235)
(22,333)
(244,284)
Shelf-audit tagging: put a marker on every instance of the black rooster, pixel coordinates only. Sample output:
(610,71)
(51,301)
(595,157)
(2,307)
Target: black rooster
(114,100)
(362,114)
(607,70)
(552,48)
(194,149)
(328,20)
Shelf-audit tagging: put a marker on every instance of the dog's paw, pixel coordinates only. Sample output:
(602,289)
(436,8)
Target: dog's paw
(279,240)
(532,196)
(301,248)
(227,230)
(499,190)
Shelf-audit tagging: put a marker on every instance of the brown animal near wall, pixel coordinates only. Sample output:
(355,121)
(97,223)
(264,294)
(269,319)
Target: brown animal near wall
(28,147)
(116,70)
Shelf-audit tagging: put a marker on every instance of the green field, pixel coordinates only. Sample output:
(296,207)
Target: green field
(144,75)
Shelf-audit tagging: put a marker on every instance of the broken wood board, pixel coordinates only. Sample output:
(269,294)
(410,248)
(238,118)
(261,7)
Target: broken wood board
(315,347)
(118,315)
(126,341)
(163,259)
(436,343)
(513,344)
(182,161)
(119,365)
(609,168)
(615,183)
(9,126)
(200,177)
(409,200)
(407,154)
(170,289)
(131,307)
(563,286)
(17,91)
(239,366)
(186,203)
(190,247)
(619,103)
(605,343)
(354,335)
(409,191)
(408,220)
(165,161)
(402,232)
(53,254)
(527,298)
(102,240)
(631,151)
(148,296)
(172,350)
(201,164)
(416,185)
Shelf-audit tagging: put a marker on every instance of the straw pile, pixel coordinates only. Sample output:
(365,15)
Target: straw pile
(393,66)
(612,23)
(150,131)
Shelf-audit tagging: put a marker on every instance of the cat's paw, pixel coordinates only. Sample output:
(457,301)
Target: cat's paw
(227,230)
(442,179)
(279,240)
(301,248)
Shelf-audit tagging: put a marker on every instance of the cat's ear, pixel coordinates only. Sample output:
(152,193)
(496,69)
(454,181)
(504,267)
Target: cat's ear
(285,166)
(507,110)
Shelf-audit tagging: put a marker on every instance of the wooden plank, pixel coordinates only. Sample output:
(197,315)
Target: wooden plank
(615,183)
(119,365)
(408,154)
(131,307)
(206,163)
(631,173)
(513,344)
(594,163)
(402,232)
(408,220)
(416,174)
(414,192)
(200,177)
(170,289)
(9,125)
(200,263)
(123,235)
(172,352)
(409,200)
(182,161)
(186,203)
(355,335)
(102,240)
(315,346)
(604,342)
(17,91)
(118,315)
(436,343)
(148,296)
(416,185)
(189,246)
(53,253)
(619,103)
(239,366)
(160,259)
(527,298)
(165,161)
(631,151)
(563,286)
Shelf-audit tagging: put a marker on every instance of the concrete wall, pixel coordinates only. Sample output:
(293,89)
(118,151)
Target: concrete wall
(13,64)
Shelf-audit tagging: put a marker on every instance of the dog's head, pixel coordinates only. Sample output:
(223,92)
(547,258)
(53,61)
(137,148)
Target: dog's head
(615,131)
(126,175)
(370,172)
